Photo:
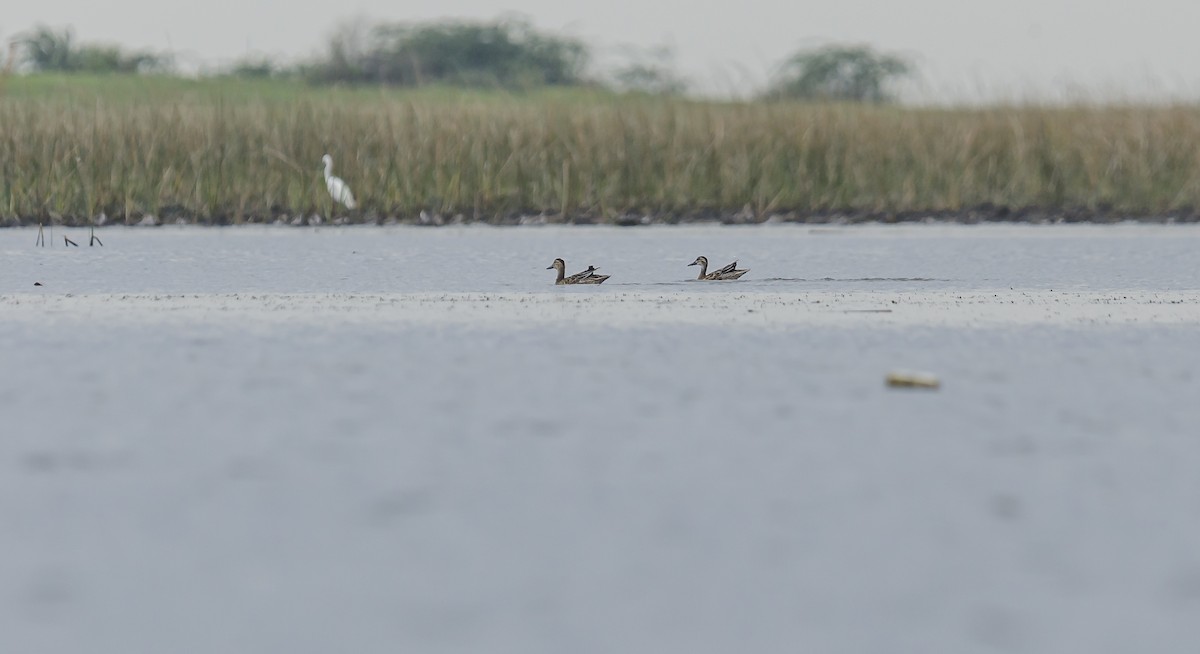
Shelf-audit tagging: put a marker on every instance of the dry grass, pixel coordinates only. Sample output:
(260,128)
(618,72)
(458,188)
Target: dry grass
(218,153)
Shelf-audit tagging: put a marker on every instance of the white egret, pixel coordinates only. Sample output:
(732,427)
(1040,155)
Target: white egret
(338,189)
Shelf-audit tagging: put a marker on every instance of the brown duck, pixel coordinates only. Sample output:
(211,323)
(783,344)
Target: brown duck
(728,272)
(588,276)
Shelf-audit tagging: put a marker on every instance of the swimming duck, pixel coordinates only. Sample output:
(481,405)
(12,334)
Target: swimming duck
(588,276)
(728,272)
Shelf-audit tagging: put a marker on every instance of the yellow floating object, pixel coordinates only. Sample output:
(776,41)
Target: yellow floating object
(912,380)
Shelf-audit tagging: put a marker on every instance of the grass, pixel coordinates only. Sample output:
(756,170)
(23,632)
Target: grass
(229,151)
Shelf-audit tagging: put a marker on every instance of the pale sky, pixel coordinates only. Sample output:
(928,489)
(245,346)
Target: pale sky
(966,50)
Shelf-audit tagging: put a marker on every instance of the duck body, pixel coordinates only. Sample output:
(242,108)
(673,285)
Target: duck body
(727,273)
(338,189)
(588,276)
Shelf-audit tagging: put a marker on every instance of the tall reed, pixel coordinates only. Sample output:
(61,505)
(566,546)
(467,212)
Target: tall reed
(234,157)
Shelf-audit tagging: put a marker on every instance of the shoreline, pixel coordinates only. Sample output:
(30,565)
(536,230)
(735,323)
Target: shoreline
(969,216)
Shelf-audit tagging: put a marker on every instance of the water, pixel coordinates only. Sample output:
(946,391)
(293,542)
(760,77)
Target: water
(782,258)
(376,440)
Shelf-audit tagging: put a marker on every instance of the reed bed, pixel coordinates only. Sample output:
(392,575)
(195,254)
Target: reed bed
(209,154)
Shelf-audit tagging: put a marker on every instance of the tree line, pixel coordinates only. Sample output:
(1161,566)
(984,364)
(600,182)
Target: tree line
(505,53)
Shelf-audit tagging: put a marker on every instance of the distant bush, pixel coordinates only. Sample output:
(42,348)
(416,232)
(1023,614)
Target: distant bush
(504,53)
(651,72)
(838,74)
(255,68)
(49,50)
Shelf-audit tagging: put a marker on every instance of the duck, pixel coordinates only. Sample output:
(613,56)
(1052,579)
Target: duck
(728,272)
(588,276)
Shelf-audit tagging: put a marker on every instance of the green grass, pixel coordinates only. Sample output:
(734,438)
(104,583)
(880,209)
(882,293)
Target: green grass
(233,151)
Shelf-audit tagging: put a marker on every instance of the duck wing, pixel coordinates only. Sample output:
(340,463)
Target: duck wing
(580,277)
(727,269)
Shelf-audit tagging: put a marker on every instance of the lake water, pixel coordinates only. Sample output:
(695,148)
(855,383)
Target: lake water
(782,258)
(402,439)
